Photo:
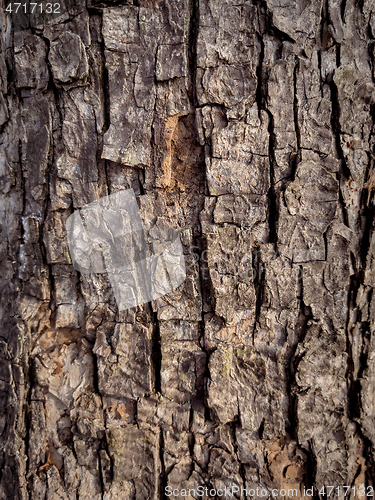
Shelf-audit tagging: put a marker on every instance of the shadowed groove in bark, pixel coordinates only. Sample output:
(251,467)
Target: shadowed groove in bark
(304,318)
(295,110)
(273,203)
(200,242)
(291,366)
(192,50)
(359,265)
(162,480)
(206,289)
(260,93)
(355,394)
(258,275)
(107,101)
(28,423)
(311,465)
(156,354)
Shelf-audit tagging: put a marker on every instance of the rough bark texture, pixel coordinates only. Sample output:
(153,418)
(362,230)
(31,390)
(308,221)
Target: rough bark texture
(248,126)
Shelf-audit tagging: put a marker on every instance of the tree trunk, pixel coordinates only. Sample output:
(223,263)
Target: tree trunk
(248,127)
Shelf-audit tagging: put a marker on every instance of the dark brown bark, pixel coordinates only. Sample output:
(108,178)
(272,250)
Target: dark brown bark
(248,127)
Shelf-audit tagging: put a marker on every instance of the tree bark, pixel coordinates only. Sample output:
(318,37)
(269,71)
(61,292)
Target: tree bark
(248,127)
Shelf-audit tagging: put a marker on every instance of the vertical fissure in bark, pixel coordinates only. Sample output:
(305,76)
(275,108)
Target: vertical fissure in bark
(305,318)
(364,331)
(106,103)
(192,48)
(367,209)
(29,379)
(342,10)
(191,437)
(101,478)
(106,93)
(338,55)
(23,190)
(200,385)
(156,353)
(290,372)
(104,481)
(295,110)
(205,282)
(141,179)
(353,382)
(200,242)
(163,478)
(323,30)
(272,196)
(259,283)
(353,385)
(360,4)
(206,291)
(344,174)
(311,467)
(47,205)
(260,91)
(96,374)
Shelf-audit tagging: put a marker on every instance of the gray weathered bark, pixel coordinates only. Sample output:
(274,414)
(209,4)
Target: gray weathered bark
(247,126)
